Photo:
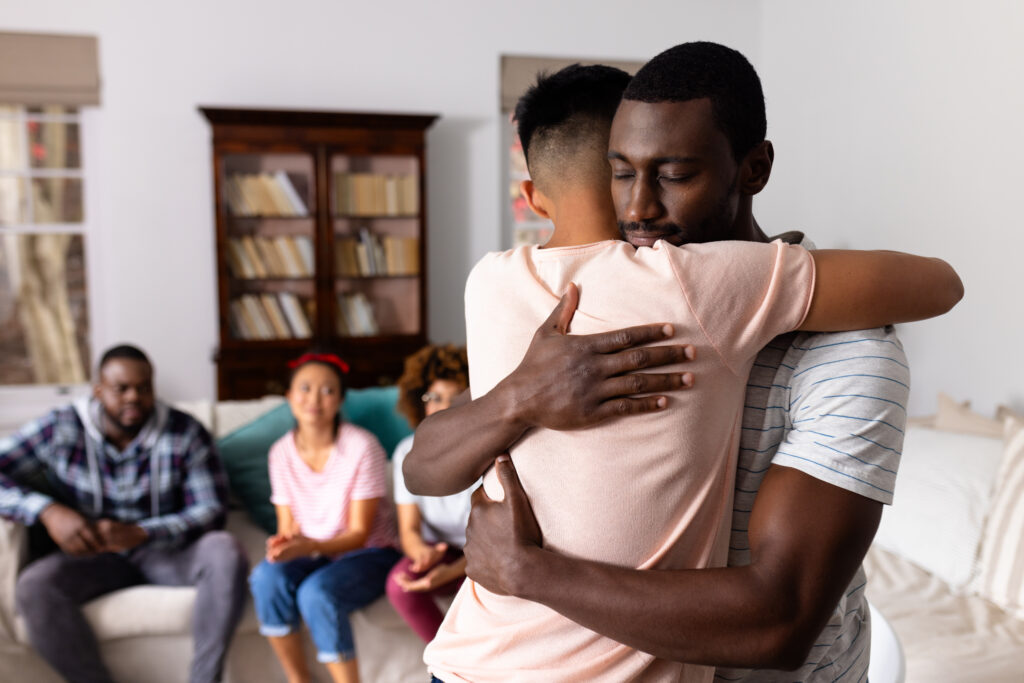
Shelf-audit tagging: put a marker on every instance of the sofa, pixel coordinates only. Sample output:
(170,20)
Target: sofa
(145,631)
(946,568)
(941,570)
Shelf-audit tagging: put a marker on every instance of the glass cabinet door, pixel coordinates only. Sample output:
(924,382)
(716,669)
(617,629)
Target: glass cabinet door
(377,225)
(270,245)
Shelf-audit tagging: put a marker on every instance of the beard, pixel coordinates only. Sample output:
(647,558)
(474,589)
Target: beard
(130,429)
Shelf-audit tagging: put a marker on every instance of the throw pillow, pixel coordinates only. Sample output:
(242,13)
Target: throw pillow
(244,451)
(942,495)
(958,417)
(244,454)
(1002,552)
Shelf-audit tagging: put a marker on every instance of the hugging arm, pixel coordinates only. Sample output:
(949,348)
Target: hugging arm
(563,382)
(807,539)
(856,290)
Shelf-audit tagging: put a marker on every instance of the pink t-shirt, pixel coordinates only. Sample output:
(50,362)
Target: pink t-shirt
(319,501)
(650,491)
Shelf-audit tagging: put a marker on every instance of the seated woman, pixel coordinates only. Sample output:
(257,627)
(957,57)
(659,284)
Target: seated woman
(432,529)
(335,540)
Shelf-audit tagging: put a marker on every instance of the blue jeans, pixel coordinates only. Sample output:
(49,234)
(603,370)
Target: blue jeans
(322,592)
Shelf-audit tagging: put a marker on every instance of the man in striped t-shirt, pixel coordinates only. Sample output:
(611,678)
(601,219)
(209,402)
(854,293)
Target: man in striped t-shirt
(832,407)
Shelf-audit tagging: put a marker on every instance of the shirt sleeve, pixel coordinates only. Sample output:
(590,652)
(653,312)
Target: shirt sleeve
(402,495)
(371,475)
(849,395)
(276,468)
(745,293)
(22,456)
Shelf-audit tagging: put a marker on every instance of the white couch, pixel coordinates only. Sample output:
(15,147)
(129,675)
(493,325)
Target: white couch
(144,632)
(934,547)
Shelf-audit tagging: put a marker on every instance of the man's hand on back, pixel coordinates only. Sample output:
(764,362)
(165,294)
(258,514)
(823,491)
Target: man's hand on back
(501,534)
(563,382)
(571,381)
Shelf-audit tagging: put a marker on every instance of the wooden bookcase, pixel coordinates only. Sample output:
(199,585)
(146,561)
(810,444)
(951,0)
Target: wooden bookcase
(321,239)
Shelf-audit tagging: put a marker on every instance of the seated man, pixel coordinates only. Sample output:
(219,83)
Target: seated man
(653,494)
(131,491)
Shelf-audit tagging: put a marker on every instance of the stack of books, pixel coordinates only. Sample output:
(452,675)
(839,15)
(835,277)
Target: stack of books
(376,194)
(355,316)
(370,255)
(263,194)
(259,257)
(269,316)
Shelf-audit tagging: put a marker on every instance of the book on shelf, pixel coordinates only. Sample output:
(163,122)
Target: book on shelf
(376,194)
(371,254)
(355,316)
(268,316)
(263,194)
(252,256)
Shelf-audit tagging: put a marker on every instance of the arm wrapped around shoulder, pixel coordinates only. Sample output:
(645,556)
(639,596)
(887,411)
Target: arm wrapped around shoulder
(856,290)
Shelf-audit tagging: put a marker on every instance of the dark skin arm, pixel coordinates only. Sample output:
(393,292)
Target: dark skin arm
(563,382)
(807,539)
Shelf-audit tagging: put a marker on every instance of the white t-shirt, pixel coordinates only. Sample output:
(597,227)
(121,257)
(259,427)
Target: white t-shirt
(443,518)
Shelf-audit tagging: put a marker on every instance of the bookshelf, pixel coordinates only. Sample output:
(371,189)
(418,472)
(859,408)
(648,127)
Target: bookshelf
(321,238)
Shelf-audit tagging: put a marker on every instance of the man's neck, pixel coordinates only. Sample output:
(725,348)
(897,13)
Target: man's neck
(583,218)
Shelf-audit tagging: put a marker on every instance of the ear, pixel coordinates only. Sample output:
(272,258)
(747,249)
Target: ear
(96,390)
(756,168)
(535,199)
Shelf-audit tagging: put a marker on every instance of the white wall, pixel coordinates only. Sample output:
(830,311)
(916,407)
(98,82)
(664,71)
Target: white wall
(154,212)
(898,125)
(895,125)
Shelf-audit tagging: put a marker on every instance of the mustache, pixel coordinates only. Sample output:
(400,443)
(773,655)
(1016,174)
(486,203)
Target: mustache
(661,228)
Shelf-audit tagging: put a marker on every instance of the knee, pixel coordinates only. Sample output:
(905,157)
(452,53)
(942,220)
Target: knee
(314,594)
(222,553)
(267,580)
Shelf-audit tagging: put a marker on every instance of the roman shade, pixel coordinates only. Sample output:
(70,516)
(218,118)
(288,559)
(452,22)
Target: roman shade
(46,69)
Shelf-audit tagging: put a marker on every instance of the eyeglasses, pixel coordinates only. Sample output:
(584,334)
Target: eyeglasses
(432,397)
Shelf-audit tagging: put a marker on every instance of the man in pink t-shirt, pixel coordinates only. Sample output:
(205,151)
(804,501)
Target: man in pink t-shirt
(654,494)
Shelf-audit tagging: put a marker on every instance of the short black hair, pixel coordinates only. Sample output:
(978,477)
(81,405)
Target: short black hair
(124,351)
(693,71)
(567,111)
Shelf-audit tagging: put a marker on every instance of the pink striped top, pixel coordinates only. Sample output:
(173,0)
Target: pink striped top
(319,501)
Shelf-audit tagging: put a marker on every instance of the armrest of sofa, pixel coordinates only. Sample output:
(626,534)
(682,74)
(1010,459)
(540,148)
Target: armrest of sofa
(13,555)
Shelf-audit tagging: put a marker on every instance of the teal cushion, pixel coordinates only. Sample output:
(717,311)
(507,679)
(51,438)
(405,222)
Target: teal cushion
(244,451)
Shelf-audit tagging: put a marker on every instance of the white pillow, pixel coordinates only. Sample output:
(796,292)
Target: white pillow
(943,493)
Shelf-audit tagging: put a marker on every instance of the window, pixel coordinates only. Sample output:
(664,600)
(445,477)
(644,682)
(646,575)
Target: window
(44,316)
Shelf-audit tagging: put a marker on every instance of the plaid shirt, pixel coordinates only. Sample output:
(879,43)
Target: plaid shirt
(46,461)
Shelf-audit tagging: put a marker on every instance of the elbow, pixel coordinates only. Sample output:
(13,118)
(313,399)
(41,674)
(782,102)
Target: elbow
(785,639)
(788,648)
(412,474)
(953,290)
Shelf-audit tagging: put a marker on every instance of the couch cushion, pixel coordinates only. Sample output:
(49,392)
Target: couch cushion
(244,451)
(1002,556)
(942,496)
(958,417)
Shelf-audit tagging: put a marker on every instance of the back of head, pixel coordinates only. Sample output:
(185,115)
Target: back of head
(563,124)
(126,351)
(693,71)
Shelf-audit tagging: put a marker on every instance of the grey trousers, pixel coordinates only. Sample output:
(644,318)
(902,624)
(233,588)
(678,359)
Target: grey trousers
(50,591)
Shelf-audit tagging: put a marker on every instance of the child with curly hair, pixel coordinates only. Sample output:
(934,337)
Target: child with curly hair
(432,529)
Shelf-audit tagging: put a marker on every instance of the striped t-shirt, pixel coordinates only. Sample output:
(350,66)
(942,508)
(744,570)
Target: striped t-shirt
(834,407)
(319,501)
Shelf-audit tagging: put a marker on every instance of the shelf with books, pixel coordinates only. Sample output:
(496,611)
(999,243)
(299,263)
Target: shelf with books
(321,231)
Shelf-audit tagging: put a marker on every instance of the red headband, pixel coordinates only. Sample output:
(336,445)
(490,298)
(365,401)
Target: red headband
(328,358)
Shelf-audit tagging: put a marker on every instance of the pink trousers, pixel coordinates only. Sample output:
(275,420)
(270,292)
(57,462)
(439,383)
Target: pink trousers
(419,609)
